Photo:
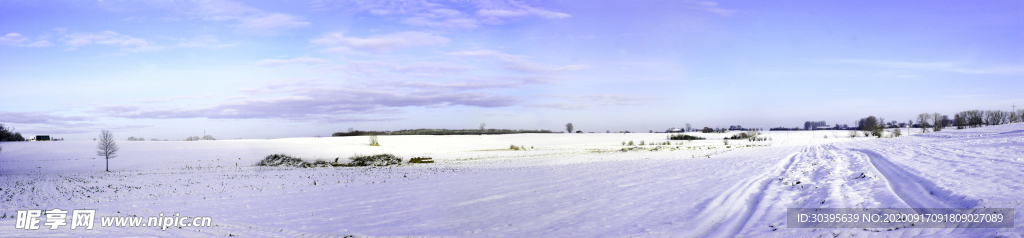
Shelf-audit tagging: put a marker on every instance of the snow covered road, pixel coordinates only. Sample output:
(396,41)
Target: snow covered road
(559,190)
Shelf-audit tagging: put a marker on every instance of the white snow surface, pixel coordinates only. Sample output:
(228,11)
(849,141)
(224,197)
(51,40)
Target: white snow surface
(568,185)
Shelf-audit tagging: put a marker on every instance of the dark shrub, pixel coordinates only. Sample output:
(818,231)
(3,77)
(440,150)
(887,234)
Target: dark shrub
(375,160)
(358,160)
(281,160)
(8,134)
(684,137)
(421,160)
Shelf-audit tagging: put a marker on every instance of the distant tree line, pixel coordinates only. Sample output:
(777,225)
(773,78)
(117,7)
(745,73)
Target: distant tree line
(715,130)
(741,128)
(684,137)
(977,118)
(784,129)
(196,138)
(937,121)
(439,132)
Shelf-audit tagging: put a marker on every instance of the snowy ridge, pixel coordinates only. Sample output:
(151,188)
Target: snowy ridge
(726,214)
(914,191)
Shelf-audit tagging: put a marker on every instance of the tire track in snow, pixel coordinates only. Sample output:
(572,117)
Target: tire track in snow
(915,191)
(726,214)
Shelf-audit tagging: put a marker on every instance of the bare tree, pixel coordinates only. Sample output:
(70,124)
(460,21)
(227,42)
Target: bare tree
(937,121)
(960,120)
(922,121)
(568,127)
(688,128)
(107,147)
(482,125)
(975,118)
(879,129)
(994,117)
(208,137)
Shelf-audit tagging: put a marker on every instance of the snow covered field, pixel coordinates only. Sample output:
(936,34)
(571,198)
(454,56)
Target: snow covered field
(568,185)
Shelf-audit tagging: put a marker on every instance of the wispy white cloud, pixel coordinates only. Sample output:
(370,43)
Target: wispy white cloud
(277,62)
(175,98)
(562,106)
(431,69)
(515,62)
(442,18)
(366,68)
(249,19)
(41,118)
(447,14)
(320,103)
(377,7)
(582,102)
(270,23)
(203,41)
(127,43)
(15,39)
(56,125)
(936,66)
(711,7)
(48,123)
(379,43)
(503,15)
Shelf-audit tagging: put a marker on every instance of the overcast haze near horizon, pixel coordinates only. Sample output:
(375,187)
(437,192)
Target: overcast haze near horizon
(272,69)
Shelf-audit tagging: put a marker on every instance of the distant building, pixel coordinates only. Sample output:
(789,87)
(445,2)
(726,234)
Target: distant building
(42,138)
(673,130)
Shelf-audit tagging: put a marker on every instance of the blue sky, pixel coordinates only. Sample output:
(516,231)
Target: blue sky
(271,69)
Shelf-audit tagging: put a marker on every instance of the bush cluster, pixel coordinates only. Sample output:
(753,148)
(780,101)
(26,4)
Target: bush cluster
(421,160)
(279,160)
(684,137)
(374,160)
(750,136)
(8,134)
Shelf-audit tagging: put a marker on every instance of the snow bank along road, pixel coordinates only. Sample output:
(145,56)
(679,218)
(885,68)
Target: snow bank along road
(569,185)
